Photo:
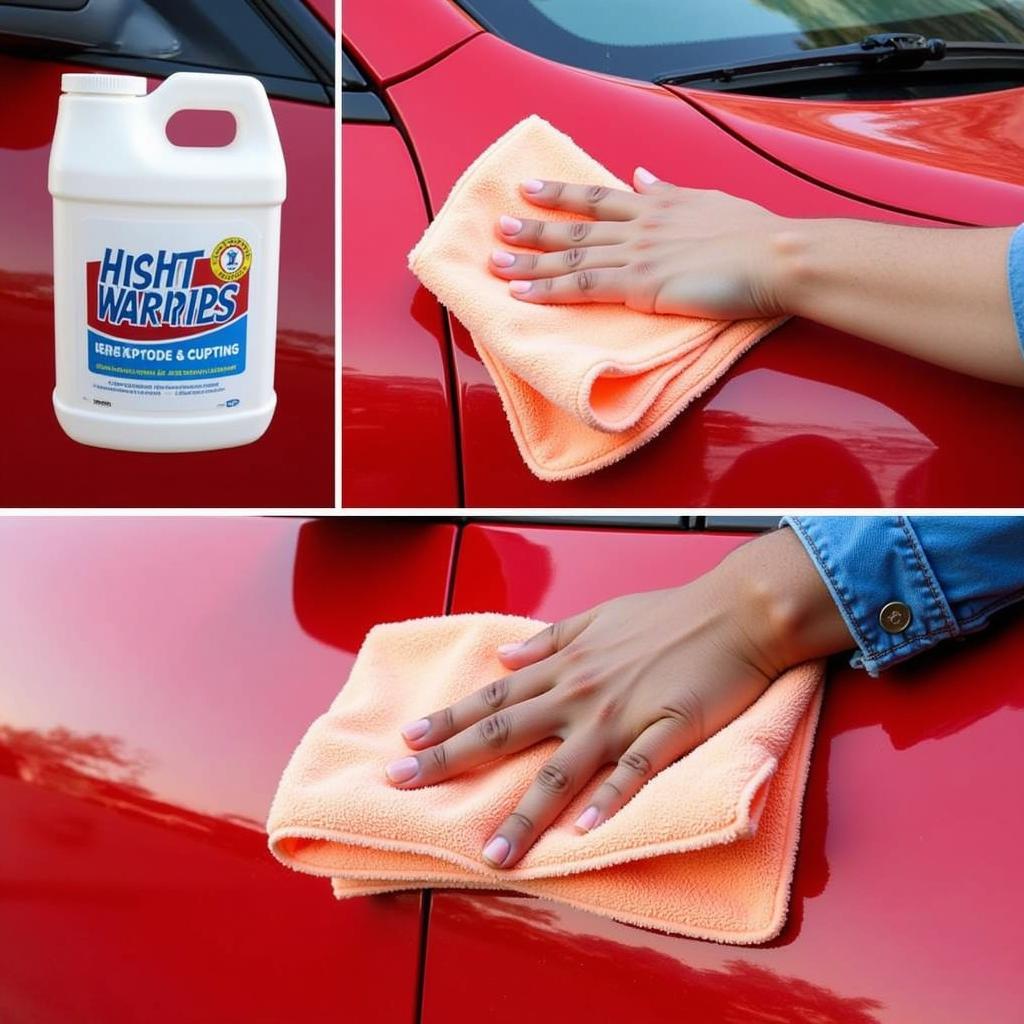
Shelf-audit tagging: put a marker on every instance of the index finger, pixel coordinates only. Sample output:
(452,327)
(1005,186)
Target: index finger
(439,725)
(596,201)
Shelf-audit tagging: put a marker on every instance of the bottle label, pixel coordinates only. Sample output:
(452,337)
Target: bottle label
(167,321)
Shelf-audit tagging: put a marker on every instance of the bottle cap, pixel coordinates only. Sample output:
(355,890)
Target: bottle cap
(104,85)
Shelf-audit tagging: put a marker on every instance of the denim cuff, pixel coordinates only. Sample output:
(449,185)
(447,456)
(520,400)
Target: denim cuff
(1015,273)
(868,563)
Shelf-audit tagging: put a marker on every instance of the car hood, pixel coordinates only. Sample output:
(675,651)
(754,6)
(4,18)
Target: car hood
(958,158)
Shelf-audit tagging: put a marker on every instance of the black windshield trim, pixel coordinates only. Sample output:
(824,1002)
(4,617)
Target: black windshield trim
(524,26)
(852,60)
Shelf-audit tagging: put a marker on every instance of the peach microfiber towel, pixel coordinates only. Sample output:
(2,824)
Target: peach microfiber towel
(706,848)
(582,384)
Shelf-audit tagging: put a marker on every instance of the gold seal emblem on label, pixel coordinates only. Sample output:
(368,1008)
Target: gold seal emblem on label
(231,259)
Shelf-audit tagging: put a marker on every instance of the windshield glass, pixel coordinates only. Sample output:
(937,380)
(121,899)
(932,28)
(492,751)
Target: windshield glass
(646,38)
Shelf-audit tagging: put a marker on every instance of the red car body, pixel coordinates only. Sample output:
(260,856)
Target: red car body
(149,703)
(292,465)
(812,416)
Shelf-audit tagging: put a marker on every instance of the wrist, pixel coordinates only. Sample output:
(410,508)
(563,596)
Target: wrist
(782,603)
(797,261)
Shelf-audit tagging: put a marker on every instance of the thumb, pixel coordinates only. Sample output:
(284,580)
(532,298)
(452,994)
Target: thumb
(645,182)
(545,643)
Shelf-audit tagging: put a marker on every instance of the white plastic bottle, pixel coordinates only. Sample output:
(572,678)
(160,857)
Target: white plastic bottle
(165,264)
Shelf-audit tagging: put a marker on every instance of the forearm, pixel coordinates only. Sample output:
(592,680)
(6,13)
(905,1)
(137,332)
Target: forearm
(940,294)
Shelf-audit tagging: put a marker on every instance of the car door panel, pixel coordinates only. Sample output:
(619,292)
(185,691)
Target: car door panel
(398,437)
(155,675)
(892,917)
(888,429)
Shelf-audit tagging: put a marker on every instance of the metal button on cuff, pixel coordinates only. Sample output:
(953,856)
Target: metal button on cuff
(895,617)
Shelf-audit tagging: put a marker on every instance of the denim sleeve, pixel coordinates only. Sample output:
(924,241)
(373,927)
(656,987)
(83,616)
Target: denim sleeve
(950,572)
(1015,270)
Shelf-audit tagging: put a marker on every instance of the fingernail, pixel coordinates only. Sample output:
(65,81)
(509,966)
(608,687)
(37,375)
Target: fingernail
(532,185)
(502,258)
(519,287)
(403,769)
(497,850)
(414,730)
(510,225)
(588,819)
(645,176)
(508,648)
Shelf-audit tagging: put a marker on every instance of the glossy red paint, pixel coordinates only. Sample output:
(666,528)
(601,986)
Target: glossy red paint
(806,398)
(292,465)
(397,431)
(906,901)
(156,675)
(138,756)
(889,429)
(393,37)
(959,157)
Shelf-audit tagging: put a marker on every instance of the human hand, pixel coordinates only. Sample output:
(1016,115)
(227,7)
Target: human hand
(661,249)
(637,681)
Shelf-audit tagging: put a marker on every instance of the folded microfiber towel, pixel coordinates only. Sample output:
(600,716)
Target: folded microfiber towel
(582,384)
(706,848)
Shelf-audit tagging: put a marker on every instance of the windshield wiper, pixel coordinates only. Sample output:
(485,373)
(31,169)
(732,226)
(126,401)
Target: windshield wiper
(886,51)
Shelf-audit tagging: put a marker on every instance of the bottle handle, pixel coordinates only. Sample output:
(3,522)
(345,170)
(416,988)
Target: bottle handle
(242,96)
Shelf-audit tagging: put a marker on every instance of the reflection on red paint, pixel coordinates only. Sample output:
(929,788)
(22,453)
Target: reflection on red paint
(974,136)
(155,675)
(603,979)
